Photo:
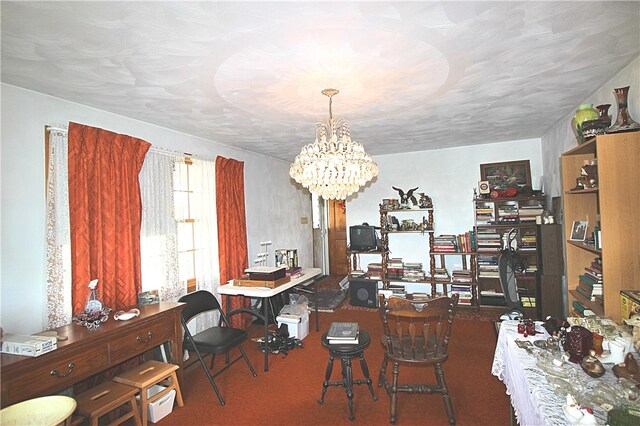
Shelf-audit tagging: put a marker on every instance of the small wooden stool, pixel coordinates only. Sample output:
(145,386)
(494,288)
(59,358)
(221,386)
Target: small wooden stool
(105,398)
(148,374)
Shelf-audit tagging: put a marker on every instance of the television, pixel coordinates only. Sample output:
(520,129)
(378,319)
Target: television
(363,238)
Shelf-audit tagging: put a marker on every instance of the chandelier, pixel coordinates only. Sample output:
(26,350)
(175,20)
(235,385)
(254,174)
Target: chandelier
(333,166)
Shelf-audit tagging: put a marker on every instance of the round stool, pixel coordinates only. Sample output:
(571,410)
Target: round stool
(45,411)
(345,352)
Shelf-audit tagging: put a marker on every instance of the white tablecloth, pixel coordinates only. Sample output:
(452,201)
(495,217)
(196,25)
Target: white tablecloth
(533,399)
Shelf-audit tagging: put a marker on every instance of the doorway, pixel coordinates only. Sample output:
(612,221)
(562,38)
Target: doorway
(337,241)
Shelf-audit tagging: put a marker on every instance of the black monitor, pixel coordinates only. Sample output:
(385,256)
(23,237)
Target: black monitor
(363,237)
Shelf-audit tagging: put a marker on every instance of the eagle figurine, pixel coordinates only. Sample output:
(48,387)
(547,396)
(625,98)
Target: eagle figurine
(404,198)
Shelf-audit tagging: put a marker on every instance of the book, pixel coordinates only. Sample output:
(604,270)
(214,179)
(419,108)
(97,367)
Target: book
(353,341)
(343,331)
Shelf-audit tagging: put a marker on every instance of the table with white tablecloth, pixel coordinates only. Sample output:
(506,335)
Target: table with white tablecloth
(532,397)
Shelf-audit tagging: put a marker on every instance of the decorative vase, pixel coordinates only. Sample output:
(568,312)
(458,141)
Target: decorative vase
(623,123)
(585,112)
(603,110)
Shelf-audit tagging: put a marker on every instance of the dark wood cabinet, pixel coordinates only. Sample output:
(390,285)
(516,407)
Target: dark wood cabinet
(550,271)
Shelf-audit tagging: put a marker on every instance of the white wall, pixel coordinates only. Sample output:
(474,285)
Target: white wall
(560,138)
(274,205)
(448,176)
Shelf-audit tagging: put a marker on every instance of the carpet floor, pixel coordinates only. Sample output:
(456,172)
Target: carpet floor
(287,394)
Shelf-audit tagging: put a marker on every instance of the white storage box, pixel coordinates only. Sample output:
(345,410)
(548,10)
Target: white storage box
(21,344)
(162,407)
(298,325)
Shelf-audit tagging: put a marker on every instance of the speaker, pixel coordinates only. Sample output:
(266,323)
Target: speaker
(364,293)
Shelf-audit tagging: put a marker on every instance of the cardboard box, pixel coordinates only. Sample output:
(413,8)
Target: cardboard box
(298,325)
(629,303)
(23,344)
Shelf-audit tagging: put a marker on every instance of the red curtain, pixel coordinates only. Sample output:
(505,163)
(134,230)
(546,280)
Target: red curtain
(105,215)
(232,230)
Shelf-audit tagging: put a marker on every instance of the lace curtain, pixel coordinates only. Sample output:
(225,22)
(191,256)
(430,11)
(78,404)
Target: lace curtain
(58,309)
(159,233)
(206,234)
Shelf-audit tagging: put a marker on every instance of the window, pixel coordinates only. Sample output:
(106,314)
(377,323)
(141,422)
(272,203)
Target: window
(186,208)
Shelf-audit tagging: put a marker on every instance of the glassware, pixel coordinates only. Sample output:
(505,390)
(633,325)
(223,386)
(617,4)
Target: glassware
(597,343)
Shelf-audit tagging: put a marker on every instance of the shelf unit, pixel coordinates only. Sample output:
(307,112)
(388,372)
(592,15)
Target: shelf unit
(616,203)
(437,259)
(494,217)
(386,231)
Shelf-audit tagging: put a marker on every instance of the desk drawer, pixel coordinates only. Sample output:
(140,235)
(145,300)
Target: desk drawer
(68,368)
(140,339)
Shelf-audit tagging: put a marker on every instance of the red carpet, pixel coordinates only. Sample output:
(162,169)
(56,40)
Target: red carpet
(287,394)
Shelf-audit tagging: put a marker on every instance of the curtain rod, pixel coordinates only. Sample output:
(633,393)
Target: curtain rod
(62,128)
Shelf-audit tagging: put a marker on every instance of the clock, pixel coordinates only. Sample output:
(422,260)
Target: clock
(483,187)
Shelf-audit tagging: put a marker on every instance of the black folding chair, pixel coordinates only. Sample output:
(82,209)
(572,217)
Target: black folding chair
(220,338)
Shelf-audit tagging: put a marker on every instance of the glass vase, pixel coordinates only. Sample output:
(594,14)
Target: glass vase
(623,123)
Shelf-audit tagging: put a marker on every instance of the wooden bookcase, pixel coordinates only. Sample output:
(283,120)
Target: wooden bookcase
(437,259)
(616,201)
(494,217)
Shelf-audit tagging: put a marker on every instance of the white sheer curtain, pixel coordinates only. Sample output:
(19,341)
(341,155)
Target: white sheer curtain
(159,232)
(206,232)
(58,309)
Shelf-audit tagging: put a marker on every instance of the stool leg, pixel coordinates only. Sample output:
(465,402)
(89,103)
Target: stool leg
(174,380)
(327,376)
(134,410)
(347,375)
(365,371)
(144,405)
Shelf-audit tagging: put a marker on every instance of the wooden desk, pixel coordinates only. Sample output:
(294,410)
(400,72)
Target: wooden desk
(87,352)
(264,294)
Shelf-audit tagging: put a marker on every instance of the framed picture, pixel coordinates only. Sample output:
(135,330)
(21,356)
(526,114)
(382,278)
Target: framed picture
(507,174)
(148,297)
(579,230)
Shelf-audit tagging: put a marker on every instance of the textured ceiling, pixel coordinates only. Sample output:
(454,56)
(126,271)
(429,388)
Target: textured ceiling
(412,75)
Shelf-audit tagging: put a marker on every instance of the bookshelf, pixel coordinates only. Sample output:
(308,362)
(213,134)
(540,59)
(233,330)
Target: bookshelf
(615,202)
(440,280)
(495,217)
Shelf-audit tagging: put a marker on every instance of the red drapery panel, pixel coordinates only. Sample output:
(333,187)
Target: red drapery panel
(105,215)
(232,230)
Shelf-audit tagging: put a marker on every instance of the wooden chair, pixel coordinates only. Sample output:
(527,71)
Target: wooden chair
(416,333)
(106,398)
(214,340)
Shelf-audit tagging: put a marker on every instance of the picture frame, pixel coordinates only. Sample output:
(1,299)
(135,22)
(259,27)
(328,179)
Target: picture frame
(579,230)
(148,297)
(506,174)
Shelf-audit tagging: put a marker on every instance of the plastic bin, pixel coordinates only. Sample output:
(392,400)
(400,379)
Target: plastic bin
(298,325)
(161,408)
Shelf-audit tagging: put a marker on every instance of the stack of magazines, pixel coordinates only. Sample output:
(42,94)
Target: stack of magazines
(343,333)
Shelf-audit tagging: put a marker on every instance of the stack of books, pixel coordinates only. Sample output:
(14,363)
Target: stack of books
(395,268)
(343,333)
(508,213)
(413,272)
(374,271)
(461,276)
(590,284)
(528,213)
(464,293)
(488,266)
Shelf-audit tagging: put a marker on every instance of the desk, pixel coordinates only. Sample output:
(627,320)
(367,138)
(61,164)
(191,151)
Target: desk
(532,398)
(87,352)
(264,294)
